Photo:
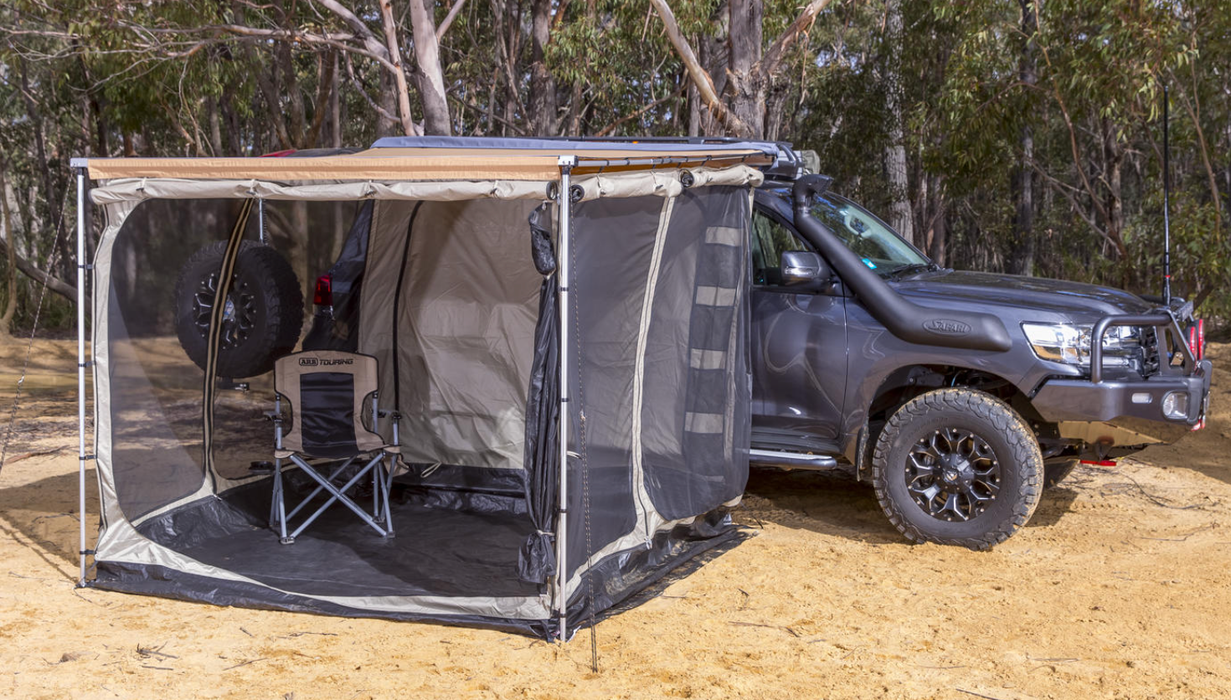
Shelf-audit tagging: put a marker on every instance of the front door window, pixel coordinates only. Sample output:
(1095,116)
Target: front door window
(770,240)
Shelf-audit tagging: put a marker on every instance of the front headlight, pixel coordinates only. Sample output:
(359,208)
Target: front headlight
(1070,343)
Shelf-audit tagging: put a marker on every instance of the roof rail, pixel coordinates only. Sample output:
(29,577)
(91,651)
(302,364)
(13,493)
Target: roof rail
(788,163)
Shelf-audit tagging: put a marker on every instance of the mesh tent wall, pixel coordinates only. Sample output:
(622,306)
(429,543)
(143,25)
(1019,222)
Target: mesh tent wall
(502,317)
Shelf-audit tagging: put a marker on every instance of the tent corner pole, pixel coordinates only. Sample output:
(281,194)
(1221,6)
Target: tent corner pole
(79,166)
(562,269)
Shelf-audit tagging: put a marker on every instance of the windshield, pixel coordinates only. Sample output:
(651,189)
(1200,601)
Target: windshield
(867,236)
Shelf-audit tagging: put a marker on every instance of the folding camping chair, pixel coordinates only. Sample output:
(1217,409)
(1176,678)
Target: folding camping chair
(327,391)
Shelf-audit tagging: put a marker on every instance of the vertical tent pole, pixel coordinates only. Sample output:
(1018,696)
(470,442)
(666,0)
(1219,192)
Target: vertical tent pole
(81,364)
(562,269)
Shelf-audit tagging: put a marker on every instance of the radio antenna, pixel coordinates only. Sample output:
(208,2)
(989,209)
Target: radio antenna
(1166,200)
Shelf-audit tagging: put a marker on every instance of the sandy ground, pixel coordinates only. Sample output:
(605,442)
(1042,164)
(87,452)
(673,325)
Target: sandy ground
(1118,588)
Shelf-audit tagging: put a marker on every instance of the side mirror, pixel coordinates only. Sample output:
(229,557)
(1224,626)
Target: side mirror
(803,267)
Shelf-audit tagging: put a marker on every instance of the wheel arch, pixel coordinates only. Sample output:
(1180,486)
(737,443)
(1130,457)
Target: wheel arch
(908,381)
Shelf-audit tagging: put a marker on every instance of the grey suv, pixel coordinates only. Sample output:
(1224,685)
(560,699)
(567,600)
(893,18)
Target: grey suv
(959,395)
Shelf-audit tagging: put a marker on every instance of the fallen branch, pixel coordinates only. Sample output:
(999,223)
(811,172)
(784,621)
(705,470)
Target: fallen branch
(39,453)
(155,651)
(977,695)
(758,624)
(27,268)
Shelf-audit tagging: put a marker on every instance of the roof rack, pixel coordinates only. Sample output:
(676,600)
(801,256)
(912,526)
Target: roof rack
(788,163)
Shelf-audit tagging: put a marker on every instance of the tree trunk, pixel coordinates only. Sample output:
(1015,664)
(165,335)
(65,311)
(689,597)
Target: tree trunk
(6,218)
(1023,245)
(938,233)
(296,111)
(895,150)
(215,127)
(431,79)
(775,112)
(389,104)
(1115,201)
(746,87)
(400,91)
(694,110)
(543,104)
(51,194)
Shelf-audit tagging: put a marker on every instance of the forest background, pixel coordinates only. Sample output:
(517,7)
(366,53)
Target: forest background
(1023,136)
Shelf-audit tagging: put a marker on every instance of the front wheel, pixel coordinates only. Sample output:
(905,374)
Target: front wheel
(957,466)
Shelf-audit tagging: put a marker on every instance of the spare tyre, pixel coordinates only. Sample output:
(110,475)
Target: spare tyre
(263,315)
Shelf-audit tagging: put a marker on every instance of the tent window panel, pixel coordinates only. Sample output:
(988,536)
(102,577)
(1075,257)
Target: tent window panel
(695,423)
(614,243)
(155,387)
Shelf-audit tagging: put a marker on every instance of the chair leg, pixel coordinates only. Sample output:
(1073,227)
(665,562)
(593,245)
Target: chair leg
(338,494)
(388,478)
(273,499)
(332,475)
(377,480)
(280,503)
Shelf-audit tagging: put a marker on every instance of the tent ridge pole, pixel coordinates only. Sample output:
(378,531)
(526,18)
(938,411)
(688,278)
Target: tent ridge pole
(562,269)
(81,364)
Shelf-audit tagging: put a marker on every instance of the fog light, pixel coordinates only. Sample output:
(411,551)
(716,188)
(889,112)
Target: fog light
(1175,405)
(1141,397)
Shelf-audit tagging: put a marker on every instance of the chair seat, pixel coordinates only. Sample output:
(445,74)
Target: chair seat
(387,449)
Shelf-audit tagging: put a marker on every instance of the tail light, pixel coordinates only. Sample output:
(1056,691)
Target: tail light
(323,296)
(1099,462)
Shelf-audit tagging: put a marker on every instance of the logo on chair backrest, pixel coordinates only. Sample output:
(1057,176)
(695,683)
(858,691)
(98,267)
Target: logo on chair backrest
(313,362)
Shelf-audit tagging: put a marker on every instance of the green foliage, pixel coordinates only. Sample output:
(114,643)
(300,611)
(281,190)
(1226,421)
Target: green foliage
(161,78)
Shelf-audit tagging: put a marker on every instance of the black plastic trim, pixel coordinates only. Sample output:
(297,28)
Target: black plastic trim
(949,328)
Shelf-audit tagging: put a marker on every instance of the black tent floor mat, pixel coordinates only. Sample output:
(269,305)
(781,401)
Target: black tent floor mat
(434,551)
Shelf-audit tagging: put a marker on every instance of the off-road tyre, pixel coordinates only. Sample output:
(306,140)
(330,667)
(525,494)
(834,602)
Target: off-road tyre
(267,302)
(1057,470)
(1010,439)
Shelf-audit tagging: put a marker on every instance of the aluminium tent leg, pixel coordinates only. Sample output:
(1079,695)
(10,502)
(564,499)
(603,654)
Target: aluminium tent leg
(562,269)
(81,365)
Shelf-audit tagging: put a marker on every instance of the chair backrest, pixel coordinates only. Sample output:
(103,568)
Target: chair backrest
(328,391)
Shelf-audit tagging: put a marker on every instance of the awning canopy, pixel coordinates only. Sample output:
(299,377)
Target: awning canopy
(415,163)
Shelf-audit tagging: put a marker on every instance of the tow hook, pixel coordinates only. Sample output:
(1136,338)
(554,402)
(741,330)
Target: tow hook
(1101,449)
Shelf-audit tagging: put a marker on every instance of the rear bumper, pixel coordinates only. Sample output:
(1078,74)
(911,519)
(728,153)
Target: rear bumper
(1136,407)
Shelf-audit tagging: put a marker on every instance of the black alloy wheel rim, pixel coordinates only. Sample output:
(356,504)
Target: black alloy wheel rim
(238,318)
(952,474)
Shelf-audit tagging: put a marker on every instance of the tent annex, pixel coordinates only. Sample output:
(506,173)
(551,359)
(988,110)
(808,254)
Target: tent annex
(529,304)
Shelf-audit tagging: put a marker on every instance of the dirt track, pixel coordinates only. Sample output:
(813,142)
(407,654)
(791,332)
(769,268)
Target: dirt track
(1120,587)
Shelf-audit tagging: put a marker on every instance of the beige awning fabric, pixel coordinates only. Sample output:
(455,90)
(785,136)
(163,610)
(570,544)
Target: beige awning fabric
(432,164)
(663,182)
(418,164)
(139,189)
